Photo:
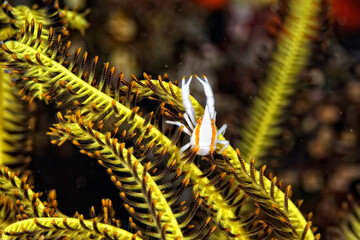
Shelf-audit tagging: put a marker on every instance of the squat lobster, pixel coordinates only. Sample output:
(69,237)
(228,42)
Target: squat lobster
(203,134)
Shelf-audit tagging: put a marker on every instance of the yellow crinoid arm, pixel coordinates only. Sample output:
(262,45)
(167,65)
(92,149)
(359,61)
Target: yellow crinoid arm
(292,51)
(15,142)
(261,189)
(24,215)
(68,228)
(49,74)
(50,77)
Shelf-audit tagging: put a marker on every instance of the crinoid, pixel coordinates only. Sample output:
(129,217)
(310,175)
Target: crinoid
(209,192)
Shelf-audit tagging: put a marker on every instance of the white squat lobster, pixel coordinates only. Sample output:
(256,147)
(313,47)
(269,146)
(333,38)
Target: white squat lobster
(203,134)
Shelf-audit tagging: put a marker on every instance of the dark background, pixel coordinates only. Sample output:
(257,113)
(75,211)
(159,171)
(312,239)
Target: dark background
(228,41)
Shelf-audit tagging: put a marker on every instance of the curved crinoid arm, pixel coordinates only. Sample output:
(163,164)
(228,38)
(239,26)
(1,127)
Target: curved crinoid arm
(149,197)
(15,126)
(290,223)
(64,228)
(48,14)
(269,197)
(101,226)
(18,201)
(75,20)
(349,225)
(24,215)
(51,74)
(15,114)
(301,26)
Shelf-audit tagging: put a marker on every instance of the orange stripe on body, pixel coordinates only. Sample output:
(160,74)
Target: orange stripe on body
(213,136)
(197,132)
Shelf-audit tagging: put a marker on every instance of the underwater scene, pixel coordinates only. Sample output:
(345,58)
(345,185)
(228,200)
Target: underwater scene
(180,119)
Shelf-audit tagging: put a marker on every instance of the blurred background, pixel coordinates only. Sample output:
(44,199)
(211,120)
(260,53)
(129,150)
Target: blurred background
(231,42)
